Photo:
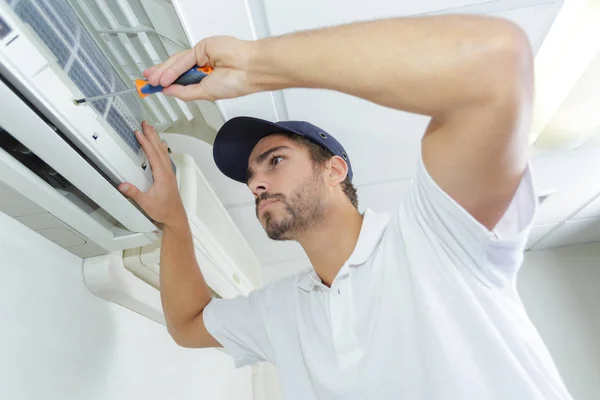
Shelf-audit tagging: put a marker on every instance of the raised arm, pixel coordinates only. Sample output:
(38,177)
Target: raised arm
(472,75)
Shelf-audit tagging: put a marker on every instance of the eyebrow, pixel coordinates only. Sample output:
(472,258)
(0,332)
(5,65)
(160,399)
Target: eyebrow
(261,159)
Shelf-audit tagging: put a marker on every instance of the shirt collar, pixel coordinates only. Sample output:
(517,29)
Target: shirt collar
(308,280)
(370,234)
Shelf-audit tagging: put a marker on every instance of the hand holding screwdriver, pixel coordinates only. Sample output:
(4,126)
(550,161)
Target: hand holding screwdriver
(230,58)
(193,76)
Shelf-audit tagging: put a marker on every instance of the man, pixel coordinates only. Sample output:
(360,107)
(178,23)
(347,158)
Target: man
(422,305)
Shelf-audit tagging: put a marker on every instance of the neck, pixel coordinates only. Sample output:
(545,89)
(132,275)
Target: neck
(330,245)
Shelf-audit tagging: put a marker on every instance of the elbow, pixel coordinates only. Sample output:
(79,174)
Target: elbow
(510,64)
(179,332)
(181,337)
(175,335)
(190,333)
(182,341)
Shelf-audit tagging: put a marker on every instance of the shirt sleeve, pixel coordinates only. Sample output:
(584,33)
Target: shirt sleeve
(494,256)
(241,327)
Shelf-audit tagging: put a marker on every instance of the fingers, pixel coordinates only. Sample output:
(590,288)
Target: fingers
(188,93)
(132,192)
(148,71)
(165,73)
(152,150)
(154,73)
(201,54)
(164,152)
(148,148)
(167,152)
(151,136)
(177,68)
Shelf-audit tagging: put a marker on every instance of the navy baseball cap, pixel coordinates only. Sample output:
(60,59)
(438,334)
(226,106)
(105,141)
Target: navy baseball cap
(238,136)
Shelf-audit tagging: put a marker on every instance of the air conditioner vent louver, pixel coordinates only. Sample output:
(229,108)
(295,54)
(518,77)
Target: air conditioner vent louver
(124,30)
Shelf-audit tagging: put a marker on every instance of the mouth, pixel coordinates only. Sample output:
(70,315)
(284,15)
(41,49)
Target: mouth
(265,203)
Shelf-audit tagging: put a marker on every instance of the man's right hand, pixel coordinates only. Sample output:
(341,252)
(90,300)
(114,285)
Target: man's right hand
(162,202)
(230,58)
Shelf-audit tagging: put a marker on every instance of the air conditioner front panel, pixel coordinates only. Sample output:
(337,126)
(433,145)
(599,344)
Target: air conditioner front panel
(30,200)
(19,120)
(36,218)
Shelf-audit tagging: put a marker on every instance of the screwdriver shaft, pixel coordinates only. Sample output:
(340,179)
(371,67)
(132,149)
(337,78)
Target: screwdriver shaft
(104,96)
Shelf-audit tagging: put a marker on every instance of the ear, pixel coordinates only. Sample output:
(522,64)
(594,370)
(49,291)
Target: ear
(337,169)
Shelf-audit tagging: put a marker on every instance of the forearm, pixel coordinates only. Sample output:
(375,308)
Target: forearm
(424,65)
(184,292)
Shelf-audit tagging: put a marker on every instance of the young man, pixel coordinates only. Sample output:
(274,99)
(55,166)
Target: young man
(422,305)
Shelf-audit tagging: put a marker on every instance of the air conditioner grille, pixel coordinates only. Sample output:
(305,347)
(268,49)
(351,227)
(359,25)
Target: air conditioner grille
(66,30)
(77,73)
(30,14)
(59,28)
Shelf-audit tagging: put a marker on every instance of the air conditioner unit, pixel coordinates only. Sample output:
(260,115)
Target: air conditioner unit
(60,163)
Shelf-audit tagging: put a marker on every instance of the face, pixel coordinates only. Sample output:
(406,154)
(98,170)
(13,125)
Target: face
(290,191)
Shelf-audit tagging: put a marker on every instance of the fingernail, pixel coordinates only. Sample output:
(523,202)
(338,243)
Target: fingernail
(123,188)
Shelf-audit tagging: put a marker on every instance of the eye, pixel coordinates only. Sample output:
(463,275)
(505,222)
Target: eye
(276,160)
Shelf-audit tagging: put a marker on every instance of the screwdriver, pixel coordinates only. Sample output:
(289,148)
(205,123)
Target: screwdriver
(143,88)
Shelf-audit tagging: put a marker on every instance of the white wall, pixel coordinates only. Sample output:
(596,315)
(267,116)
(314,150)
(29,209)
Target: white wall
(58,341)
(561,290)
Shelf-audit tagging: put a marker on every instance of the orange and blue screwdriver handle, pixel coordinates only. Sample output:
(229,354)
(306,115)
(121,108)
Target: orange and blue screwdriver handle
(191,77)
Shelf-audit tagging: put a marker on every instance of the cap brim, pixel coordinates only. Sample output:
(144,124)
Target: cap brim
(236,140)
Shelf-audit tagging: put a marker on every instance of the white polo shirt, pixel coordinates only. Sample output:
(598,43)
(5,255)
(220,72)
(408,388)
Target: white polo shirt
(425,308)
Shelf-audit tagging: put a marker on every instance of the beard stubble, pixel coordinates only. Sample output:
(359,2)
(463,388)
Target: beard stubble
(303,211)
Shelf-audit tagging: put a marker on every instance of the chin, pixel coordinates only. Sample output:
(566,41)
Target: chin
(276,228)
(277,235)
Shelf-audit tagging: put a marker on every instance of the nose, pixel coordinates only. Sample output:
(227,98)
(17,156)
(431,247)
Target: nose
(258,186)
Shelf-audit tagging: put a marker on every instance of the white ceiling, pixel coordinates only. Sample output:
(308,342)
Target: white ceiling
(384,166)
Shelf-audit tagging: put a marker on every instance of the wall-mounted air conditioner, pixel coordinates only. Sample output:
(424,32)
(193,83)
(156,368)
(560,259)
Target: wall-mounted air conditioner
(60,163)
